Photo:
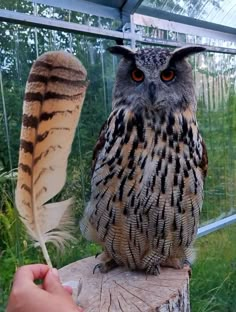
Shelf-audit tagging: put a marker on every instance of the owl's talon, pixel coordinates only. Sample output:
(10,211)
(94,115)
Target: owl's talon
(105,267)
(97,266)
(188,266)
(176,263)
(188,263)
(153,270)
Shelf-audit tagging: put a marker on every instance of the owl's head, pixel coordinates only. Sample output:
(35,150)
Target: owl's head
(154,76)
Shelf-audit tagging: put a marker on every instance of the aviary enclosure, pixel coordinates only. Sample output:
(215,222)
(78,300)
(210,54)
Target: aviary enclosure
(86,29)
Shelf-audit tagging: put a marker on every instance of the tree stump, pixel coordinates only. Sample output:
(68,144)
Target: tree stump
(121,290)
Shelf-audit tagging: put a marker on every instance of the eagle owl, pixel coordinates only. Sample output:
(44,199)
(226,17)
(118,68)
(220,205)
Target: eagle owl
(149,164)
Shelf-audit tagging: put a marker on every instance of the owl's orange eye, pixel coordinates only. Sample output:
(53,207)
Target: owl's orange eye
(167,75)
(137,75)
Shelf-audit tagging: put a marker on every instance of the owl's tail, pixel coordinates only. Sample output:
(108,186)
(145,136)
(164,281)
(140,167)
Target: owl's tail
(86,227)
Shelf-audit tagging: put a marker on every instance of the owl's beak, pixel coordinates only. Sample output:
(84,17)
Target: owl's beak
(152,92)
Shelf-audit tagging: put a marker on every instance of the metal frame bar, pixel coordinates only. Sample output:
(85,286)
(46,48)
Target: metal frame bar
(177,44)
(166,20)
(159,23)
(209,228)
(129,8)
(83,6)
(144,10)
(43,22)
(88,7)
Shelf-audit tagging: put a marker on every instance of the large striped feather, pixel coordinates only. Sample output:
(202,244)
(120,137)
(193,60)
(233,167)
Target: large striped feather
(54,97)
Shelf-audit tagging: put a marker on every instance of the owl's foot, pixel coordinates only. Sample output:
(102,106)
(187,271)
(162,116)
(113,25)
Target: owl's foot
(97,254)
(187,263)
(188,267)
(175,263)
(178,264)
(105,267)
(151,263)
(153,269)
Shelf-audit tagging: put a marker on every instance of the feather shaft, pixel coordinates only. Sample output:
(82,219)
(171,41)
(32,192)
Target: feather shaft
(54,96)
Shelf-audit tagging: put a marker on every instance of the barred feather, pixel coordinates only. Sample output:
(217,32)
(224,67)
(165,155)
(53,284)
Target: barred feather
(54,97)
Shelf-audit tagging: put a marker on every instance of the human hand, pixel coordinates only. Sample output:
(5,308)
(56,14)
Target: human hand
(51,296)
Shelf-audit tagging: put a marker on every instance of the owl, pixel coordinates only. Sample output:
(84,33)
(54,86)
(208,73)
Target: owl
(149,164)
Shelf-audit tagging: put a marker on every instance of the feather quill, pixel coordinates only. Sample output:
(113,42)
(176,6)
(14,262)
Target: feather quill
(54,96)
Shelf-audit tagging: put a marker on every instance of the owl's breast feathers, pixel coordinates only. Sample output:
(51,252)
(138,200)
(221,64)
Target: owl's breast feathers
(147,184)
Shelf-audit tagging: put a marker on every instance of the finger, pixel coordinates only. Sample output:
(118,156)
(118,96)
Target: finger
(29,273)
(52,283)
(68,289)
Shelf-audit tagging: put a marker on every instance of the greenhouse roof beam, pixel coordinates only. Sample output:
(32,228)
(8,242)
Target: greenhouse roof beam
(129,7)
(144,10)
(43,22)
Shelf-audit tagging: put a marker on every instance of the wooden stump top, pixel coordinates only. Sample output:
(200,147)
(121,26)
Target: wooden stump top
(121,290)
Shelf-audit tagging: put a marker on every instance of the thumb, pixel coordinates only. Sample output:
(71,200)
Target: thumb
(52,282)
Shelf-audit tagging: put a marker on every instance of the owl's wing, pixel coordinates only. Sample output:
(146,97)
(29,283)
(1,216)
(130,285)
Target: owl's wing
(115,174)
(99,145)
(172,202)
(171,209)
(204,162)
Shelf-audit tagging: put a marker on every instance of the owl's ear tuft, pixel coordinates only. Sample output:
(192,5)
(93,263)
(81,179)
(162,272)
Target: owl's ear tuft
(122,50)
(185,51)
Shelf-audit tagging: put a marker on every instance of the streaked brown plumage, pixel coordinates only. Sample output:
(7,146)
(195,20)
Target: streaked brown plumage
(149,164)
(54,97)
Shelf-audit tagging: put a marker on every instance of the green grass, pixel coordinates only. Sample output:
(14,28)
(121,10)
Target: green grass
(213,282)
(9,262)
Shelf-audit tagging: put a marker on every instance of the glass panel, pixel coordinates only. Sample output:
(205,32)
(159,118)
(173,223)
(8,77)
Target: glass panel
(25,6)
(150,34)
(17,5)
(215,82)
(215,87)
(215,79)
(19,47)
(221,12)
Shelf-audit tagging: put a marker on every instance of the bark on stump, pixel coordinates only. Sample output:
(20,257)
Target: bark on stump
(123,291)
